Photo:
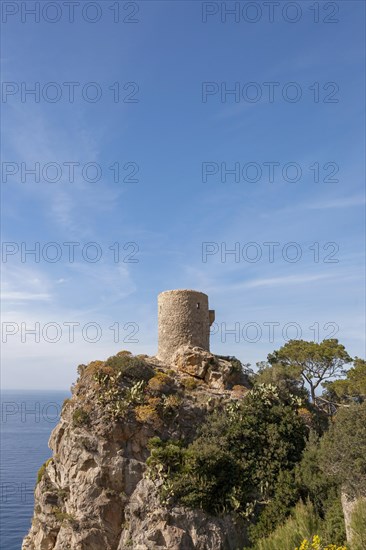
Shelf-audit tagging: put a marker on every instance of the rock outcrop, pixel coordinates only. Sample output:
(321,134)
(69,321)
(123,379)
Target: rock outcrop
(93,494)
(348,506)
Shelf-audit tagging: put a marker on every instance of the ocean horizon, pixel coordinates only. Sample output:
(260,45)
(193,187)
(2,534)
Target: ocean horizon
(27,420)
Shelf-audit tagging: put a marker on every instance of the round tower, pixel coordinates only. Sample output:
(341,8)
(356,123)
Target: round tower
(184,319)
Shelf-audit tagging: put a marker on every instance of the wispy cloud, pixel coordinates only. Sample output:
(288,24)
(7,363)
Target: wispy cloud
(271,282)
(70,206)
(287,280)
(17,296)
(341,202)
(22,284)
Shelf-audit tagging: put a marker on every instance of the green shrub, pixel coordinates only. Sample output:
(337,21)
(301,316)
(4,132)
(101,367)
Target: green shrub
(343,449)
(130,367)
(358,526)
(80,417)
(161,383)
(286,378)
(171,404)
(353,387)
(81,369)
(42,470)
(150,411)
(236,460)
(190,383)
(62,516)
(285,497)
(334,528)
(66,402)
(135,394)
(304,523)
(122,380)
(317,543)
(323,490)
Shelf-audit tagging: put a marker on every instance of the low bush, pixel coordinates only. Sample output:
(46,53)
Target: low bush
(298,532)
(80,417)
(316,544)
(190,383)
(63,516)
(231,466)
(42,470)
(303,523)
(358,526)
(171,404)
(161,383)
(122,379)
(65,403)
(149,414)
(130,367)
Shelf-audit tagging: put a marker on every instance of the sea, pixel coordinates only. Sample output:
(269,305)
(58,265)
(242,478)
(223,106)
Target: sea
(27,419)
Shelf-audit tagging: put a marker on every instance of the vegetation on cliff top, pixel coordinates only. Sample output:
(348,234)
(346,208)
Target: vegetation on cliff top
(276,455)
(277,448)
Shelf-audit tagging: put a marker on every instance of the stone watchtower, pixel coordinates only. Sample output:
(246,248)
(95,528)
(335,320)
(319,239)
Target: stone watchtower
(184,319)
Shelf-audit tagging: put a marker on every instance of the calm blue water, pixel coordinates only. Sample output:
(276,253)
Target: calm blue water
(27,419)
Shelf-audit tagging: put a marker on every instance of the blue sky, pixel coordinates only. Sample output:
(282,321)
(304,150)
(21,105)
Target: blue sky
(168,134)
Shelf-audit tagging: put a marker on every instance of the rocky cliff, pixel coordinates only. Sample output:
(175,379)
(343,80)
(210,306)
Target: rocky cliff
(95,493)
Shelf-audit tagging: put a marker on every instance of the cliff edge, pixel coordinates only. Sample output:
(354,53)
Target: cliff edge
(97,491)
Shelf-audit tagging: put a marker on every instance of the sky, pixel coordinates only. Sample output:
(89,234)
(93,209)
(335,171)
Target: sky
(179,145)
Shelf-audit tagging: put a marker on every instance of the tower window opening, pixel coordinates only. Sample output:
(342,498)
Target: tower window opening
(198,305)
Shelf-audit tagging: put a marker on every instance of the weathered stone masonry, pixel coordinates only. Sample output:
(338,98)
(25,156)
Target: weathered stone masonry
(184,319)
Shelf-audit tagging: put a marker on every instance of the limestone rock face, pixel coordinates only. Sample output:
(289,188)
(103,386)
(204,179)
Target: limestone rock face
(348,506)
(217,372)
(94,494)
(177,528)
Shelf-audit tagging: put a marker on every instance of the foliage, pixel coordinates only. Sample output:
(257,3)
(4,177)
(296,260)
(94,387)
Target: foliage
(307,416)
(171,404)
(190,383)
(236,460)
(130,367)
(161,382)
(322,490)
(62,516)
(316,544)
(65,402)
(334,528)
(343,449)
(81,369)
(352,387)
(80,417)
(287,379)
(269,392)
(310,478)
(285,496)
(301,527)
(333,463)
(122,380)
(135,394)
(303,523)
(149,412)
(42,470)
(317,362)
(358,526)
